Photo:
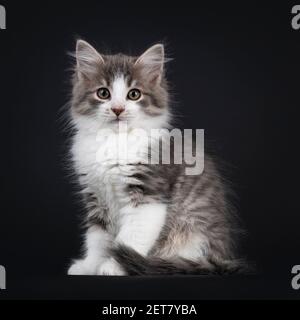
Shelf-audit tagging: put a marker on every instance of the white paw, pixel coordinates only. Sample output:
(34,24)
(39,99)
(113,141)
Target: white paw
(82,267)
(110,268)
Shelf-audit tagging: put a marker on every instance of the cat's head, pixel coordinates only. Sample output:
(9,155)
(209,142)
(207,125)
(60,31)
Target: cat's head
(108,89)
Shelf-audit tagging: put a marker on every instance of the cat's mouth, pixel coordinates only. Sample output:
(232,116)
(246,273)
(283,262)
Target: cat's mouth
(119,119)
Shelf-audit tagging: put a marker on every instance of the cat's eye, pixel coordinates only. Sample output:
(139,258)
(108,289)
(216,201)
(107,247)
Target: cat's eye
(134,94)
(103,93)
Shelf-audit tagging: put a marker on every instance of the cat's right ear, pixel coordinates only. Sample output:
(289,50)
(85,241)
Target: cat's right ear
(88,59)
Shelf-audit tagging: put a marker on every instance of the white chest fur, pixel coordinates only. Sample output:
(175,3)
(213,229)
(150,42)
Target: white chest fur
(105,162)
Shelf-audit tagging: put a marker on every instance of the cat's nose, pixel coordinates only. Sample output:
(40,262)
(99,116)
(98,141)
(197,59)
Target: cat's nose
(117,110)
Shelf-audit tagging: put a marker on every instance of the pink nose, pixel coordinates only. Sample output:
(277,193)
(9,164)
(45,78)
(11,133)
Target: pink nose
(117,110)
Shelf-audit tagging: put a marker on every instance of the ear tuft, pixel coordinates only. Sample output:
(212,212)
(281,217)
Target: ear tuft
(88,58)
(152,62)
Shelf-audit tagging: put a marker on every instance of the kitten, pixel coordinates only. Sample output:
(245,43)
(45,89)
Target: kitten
(141,218)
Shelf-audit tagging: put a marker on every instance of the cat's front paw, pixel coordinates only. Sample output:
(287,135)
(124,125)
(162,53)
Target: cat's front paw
(110,268)
(82,267)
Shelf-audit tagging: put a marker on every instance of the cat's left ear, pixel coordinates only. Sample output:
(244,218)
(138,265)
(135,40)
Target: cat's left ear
(88,59)
(152,63)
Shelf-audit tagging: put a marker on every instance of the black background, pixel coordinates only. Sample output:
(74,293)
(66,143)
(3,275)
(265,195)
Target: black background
(235,73)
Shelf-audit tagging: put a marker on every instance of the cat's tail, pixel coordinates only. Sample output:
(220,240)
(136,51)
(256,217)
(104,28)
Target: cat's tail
(135,264)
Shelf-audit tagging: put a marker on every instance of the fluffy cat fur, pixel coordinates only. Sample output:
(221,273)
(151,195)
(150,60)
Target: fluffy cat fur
(141,219)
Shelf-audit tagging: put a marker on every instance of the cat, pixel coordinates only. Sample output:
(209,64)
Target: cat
(142,219)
